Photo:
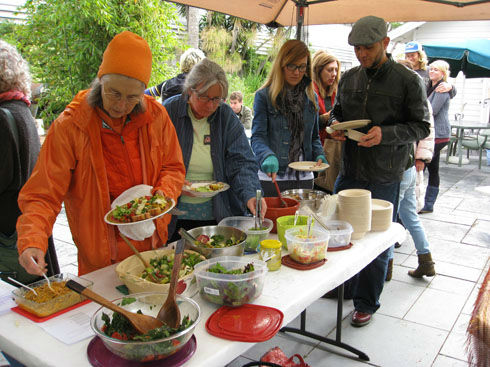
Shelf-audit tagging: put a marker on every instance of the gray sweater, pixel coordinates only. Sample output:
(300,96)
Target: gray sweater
(16,162)
(440,108)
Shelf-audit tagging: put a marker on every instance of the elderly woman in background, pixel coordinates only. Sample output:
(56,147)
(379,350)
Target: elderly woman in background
(109,139)
(285,124)
(174,86)
(19,148)
(214,147)
(326,75)
(438,74)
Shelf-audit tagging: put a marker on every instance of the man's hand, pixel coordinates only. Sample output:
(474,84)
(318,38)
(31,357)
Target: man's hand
(419,165)
(444,87)
(251,206)
(373,137)
(28,264)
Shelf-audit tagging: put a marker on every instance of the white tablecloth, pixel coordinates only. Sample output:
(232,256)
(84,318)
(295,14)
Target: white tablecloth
(288,289)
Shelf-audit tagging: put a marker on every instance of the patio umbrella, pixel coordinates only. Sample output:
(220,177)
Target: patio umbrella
(472,56)
(310,12)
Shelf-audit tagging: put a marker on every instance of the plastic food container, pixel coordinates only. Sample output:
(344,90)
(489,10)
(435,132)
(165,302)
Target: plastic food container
(287,222)
(270,252)
(48,302)
(307,249)
(247,225)
(340,233)
(230,289)
(274,209)
(149,304)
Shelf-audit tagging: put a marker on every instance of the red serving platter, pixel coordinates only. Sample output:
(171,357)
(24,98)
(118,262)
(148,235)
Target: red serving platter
(247,323)
(36,318)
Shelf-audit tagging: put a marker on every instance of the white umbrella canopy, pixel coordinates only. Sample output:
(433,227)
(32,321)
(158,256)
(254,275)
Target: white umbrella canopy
(284,12)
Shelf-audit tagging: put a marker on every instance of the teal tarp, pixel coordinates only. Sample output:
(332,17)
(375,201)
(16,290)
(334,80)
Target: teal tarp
(472,56)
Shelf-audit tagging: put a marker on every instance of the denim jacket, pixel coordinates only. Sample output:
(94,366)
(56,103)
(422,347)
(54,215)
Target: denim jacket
(233,160)
(271,135)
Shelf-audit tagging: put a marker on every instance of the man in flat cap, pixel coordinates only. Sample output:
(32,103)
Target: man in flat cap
(393,98)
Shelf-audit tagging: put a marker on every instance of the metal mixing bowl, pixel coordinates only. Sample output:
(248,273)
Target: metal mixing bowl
(311,198)
(227,232)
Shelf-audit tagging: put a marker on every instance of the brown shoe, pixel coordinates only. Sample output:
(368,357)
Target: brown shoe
(360,318)
(426,267)
(389,271)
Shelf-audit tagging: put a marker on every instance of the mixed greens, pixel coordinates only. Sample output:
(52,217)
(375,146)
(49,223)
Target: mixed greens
(216,241)
(230,291)
(253,239)
(161,269)
(120,328)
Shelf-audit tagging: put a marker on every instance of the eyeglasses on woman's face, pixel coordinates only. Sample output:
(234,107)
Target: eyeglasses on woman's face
(294,67)
(205,99)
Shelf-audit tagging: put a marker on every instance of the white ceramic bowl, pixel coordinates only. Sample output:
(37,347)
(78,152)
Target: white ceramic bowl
(382,214)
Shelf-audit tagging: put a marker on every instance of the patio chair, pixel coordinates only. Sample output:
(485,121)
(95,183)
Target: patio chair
(479,142)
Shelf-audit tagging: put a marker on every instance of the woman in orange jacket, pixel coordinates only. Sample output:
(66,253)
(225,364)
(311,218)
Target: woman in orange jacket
(109,138)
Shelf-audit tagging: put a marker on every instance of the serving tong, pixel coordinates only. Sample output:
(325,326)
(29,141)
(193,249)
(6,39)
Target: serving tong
(258,209)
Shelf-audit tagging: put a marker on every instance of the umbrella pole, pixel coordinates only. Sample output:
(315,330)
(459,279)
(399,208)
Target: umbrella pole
(300,18)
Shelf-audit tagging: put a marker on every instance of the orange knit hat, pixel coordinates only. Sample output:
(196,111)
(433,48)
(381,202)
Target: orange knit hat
(127,54)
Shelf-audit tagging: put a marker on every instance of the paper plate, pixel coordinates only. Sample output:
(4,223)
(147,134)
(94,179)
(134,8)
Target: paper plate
(353,124)
(169,208)
(308,166)
(247,323)
(206,194)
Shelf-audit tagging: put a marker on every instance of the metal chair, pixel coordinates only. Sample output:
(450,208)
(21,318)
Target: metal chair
(479,142)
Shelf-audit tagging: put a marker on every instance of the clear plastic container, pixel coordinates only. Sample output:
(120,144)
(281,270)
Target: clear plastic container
(307,249)
(230,289)
(340,233)
(286,222)
(48,302)
(247,225)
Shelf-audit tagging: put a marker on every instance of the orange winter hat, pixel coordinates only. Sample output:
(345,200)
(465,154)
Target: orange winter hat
(127,54)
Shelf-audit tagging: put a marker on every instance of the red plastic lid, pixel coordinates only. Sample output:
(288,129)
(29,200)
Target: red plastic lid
(288,261)
(247,323)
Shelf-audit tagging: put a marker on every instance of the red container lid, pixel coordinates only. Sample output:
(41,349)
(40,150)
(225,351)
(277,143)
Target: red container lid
(247,323)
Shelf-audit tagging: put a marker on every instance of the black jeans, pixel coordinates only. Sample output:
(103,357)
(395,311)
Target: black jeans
(433,166)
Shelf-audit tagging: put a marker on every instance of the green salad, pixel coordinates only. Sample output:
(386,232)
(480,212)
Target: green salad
(120,328)
(230,292)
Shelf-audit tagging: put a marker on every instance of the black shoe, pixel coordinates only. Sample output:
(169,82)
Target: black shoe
(398,245)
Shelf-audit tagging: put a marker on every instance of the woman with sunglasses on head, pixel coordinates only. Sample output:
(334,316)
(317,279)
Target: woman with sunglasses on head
(110,138)
(285,124)
(214,147)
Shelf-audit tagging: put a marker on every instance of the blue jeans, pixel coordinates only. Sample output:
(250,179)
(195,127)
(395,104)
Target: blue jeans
(407,211)
(368,284)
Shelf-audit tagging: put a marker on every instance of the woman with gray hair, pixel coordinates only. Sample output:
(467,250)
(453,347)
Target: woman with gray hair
(214,147)
(19,148)
(173,86)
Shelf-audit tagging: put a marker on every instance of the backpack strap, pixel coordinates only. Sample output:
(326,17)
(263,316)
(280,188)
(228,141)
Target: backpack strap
(12,124)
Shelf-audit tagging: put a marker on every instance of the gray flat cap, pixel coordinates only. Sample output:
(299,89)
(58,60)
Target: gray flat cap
(367,30)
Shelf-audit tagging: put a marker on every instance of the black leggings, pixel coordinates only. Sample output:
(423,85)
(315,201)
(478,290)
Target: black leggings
(433,166)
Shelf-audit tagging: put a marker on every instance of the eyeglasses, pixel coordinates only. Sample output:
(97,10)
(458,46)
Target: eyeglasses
(293,67)
(117,97)
(206,99)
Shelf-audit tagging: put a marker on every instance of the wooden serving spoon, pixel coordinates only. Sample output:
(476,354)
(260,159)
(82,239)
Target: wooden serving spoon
(142,323)
(170,313)
(146,264)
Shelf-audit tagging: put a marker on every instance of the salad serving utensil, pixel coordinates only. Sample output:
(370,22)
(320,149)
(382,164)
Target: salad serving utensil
(170,313)
(146,264)
(142,323)
(22,285)
(296,215)
(258,209)
(191,243)
(283,203)
(45,277)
